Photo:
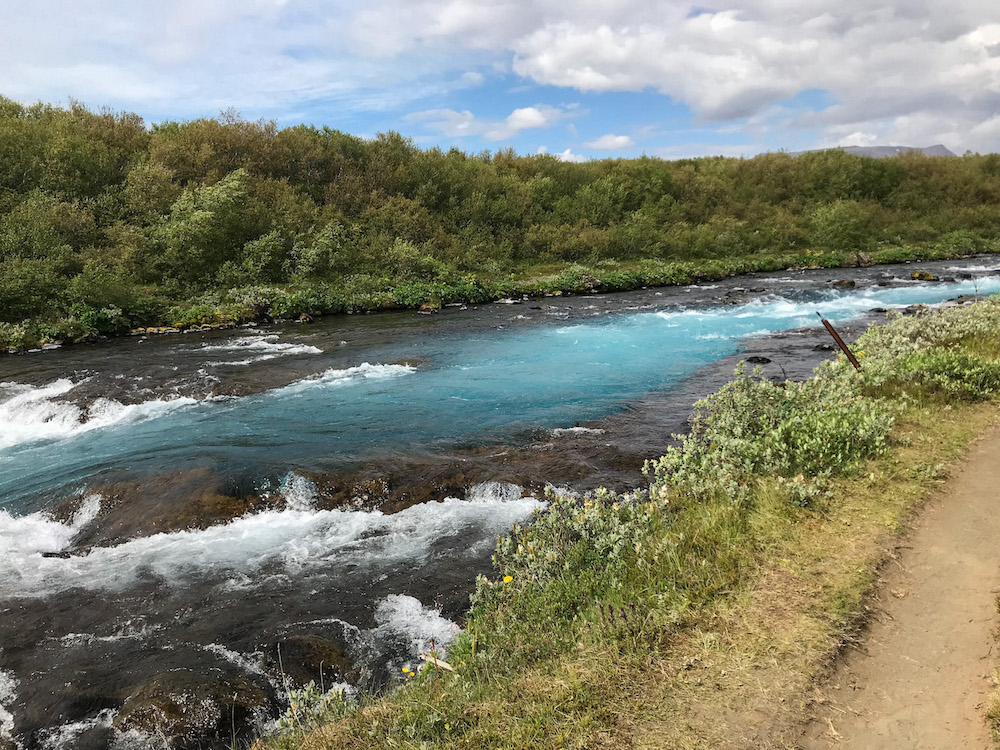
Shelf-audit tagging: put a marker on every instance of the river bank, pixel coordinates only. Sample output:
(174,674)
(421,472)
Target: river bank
(234,308)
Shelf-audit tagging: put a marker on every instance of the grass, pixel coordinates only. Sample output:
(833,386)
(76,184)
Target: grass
(701,614)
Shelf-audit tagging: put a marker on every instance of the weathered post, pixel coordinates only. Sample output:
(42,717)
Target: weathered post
(840,343)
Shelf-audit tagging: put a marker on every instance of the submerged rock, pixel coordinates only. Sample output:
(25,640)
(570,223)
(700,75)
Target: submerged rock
(193,499)
(317,658)
(193,709)
(845,284)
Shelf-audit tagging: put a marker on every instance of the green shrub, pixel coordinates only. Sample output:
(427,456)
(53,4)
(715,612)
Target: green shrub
(754,427)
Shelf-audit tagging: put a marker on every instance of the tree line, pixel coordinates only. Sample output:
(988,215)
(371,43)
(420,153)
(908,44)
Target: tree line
(107,223)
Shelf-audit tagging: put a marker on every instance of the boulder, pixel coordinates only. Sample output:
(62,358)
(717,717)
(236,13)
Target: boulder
(845,284)
(923,276)
(318,658)
(193,709)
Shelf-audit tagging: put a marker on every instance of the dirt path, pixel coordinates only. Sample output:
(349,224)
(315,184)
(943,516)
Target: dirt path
(919,679)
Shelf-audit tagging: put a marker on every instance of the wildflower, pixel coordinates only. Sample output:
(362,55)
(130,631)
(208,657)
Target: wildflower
(508,579)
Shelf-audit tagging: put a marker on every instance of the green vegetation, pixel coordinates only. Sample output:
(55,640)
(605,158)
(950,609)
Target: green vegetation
(106,225)
(680,615)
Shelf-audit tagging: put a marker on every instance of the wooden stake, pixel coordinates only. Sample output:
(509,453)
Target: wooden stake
(840,343)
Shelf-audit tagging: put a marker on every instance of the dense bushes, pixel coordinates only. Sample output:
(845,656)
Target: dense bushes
(180,210)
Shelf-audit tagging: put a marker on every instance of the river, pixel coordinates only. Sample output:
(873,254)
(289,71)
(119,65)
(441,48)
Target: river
(173,509)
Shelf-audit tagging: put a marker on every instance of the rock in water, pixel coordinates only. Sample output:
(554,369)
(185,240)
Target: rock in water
(192,709)
(845,284)
(923,276)
(317,658)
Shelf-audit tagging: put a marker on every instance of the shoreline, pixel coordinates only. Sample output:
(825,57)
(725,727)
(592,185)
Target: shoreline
(573,280)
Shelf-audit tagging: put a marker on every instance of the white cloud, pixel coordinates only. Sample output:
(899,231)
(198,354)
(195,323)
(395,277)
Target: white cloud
(905,71)
(454,124)
(610,142)
(471,78)
(568,155)
(899,69)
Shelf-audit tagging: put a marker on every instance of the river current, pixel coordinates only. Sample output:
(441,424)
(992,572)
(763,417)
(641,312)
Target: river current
(190,504)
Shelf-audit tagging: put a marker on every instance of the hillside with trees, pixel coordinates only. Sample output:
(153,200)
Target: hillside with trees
(107,223)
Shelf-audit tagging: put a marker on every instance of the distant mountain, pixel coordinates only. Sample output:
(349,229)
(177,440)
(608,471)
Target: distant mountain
(880,152)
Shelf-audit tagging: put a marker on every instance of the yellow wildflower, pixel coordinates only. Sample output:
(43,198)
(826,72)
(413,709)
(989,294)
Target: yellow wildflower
(508,579)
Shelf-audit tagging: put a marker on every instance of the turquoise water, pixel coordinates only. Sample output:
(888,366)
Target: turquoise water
(468,388)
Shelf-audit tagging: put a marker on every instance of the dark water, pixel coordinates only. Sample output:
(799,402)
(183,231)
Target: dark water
(190,502)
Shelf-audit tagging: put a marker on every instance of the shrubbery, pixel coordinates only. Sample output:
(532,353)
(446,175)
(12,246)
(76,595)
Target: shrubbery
(164,216)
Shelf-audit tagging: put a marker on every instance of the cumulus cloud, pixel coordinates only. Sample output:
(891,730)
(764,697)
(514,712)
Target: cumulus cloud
(610,142)
(900,71)
(454,124)
(568,155)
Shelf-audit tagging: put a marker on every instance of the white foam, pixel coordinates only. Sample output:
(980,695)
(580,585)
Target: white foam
(132,630)
(559,431)
(424,628)
(300,493)
(266,346)
(63,736)
(34,413)
(24,537)
(278,541)
(248,663)
(338,377)
(494,492)
(974,269)
(8,694)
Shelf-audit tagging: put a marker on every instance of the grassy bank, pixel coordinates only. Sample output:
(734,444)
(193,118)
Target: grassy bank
(365,293)
(698,612)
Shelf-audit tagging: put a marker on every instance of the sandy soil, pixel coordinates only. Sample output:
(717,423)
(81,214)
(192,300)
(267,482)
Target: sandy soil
(919,678)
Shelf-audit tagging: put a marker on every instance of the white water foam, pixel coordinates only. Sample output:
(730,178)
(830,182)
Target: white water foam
(132,630)
(974,269)
(8,694)
(423,627)
(494,492)
(63,736)
(337,377)
(25,537)
(33,413)
(262,347)
(285,541)
(299,492)
(560,431)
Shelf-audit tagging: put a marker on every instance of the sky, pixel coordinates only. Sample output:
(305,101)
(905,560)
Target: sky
(578,79)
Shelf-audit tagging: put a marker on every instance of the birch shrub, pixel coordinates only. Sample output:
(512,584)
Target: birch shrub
(752,427)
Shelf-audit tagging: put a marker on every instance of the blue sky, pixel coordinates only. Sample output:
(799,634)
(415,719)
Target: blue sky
(590,79)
